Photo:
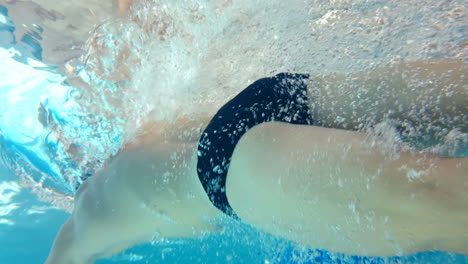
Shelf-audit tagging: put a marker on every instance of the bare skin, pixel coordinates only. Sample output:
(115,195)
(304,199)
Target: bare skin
(428,92)
(124,6)
(143,194)
(328,188)
(331,189)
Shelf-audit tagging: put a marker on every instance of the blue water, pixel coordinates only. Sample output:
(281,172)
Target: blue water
(30,238)
(28,226)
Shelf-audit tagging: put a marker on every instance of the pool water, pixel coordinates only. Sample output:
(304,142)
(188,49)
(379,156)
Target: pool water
(28,236)
(38,179)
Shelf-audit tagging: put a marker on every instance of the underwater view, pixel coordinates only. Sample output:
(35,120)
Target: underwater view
(106,108)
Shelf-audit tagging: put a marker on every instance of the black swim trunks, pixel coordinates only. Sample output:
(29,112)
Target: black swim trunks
(282,98)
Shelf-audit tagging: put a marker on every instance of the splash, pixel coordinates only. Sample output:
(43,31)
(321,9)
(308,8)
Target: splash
(170,59)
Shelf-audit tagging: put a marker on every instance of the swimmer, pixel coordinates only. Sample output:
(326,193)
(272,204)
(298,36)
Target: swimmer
(276,157)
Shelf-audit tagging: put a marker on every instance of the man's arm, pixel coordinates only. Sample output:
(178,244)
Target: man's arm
(425,93)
